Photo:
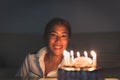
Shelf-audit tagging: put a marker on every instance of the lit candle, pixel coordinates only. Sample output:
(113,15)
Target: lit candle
(67,57)
(72,56)
(85,54)
(94,56)
(78,54)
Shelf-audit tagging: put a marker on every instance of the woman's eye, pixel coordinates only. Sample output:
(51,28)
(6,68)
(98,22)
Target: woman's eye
(56,36)
(52,35)
(64,36)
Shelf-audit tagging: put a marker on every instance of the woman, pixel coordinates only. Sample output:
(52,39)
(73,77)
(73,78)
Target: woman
(48,59)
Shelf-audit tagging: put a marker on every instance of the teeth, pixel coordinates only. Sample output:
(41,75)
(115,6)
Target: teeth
(57,46)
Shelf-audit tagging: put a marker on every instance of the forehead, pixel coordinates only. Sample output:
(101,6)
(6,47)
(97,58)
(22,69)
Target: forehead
(59,28)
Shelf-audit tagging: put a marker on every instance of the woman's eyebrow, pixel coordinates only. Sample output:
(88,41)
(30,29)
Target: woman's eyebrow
(52,32)
(56,32)
(65,32)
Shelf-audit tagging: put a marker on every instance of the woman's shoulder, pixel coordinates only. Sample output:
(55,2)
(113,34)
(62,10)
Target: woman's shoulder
(36,54)
(31,55)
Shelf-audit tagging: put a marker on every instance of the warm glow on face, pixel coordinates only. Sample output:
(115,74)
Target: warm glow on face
(58,40)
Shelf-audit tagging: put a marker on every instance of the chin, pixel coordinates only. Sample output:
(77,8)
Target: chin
(58,53)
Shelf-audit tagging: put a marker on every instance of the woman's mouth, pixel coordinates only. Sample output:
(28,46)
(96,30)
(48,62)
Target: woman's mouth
(58,47)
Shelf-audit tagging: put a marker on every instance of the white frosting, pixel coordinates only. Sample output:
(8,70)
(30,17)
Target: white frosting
(82,62)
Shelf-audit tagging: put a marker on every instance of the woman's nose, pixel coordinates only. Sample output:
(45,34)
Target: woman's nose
(58,38)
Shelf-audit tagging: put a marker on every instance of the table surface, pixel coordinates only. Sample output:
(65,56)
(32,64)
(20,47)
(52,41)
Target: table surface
(56,79)
(48,79)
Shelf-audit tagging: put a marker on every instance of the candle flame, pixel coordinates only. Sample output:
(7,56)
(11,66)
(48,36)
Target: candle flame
(78,54)
(64,52)
(94,58)
(93,53)
(71,53)
(85,53)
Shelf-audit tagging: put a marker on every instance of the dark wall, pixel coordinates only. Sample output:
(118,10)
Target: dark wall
(30,16)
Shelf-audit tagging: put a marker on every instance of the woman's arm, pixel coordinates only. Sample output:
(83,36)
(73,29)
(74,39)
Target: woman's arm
(24,69)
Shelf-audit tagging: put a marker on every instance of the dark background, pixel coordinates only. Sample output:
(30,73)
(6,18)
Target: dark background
(30,16)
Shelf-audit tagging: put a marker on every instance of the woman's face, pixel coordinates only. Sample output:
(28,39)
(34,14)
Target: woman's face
(58,40)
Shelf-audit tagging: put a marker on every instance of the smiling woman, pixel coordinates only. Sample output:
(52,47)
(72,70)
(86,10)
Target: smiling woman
(57,41)
(48,59)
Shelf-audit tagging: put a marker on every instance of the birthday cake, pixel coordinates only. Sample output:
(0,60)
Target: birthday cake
(79,68)
(80,63)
